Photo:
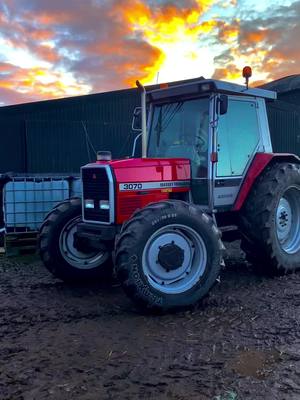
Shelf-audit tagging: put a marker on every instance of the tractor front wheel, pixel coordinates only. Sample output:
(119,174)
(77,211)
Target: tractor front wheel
(58,249)
(168,255)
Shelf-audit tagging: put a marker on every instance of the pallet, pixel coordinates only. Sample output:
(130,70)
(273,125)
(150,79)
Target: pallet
(20,243)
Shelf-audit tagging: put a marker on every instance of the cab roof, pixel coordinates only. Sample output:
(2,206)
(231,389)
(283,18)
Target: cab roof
(203,86)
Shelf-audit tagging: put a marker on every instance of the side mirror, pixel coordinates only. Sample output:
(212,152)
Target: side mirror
(137,119)
(223,104)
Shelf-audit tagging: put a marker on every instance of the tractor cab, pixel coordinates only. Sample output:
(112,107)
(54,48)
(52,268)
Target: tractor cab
(218,126)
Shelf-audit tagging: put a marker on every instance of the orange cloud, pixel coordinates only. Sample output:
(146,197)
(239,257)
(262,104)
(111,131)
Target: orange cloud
(53,18)
(228,33)
(230,72)
(162,27)
(42,34)
(270,44)
(44,83)
(254,37)
(47,53)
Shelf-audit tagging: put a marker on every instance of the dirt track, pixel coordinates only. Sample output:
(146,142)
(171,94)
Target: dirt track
(61,342)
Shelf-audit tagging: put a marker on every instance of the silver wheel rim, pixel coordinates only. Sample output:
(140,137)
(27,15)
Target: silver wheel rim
(288,220)
(73,256)
(194,261)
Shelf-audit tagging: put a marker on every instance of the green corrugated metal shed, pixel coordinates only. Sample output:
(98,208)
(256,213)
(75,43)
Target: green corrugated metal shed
(284,114)
(50,136)
(287,88)
(59,135)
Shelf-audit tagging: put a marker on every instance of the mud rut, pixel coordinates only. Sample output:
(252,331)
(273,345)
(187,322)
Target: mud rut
(62,342)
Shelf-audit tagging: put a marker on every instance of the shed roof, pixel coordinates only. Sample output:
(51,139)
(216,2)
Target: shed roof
(283,85)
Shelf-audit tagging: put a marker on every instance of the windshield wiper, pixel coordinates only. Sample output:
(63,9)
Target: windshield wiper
(157,128)
(165,117)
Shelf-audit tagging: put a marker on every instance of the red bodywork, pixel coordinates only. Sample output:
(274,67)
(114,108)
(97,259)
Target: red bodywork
(258,165)
(161,172)
(140,171)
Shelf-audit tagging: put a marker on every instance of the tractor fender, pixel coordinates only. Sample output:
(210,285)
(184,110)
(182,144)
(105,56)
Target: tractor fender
(258,165)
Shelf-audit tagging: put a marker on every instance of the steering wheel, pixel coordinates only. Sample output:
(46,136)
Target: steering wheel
(202,146)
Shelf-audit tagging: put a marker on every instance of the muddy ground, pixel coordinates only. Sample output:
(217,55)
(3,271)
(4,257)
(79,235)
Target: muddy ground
(62,342)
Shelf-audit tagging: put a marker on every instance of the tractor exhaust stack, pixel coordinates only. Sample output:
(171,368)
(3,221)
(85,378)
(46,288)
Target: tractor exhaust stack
(144,118)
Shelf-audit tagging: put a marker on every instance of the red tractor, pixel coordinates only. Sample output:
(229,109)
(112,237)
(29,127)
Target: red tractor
(207,167)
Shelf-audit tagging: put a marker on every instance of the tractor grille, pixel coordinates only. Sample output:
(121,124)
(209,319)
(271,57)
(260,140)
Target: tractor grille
(95,186)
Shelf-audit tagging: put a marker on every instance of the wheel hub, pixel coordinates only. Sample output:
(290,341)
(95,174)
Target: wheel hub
(171,256)
(288,220)
(72,251)
(80,244)
(284,219)
(174,258)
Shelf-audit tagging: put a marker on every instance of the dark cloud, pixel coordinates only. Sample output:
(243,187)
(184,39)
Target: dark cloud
(274,38)
(92,39)
(22,32)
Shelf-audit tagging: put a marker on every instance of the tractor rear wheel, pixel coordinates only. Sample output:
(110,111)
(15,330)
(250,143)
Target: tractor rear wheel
(168,255)
(270,221)
(58,248)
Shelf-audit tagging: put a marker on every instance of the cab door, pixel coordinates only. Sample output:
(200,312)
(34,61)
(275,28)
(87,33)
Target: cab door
(201,166)
(238,139)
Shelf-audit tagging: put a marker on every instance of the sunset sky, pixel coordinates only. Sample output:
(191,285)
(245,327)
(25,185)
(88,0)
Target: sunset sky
(57,48)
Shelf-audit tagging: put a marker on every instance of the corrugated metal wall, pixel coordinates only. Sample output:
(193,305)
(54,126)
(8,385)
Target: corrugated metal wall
(284,114)
(12,154)
(284,122)
(60,135)
(292,97)
(50,136)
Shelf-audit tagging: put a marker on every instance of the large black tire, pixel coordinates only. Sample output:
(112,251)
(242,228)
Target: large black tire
(77,266)
(270,220)
(135,238)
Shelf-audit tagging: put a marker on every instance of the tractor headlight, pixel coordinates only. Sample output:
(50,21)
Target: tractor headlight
(104,205)
(89,203)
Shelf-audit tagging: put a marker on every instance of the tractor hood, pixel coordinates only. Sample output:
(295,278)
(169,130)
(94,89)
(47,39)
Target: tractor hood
(134,170)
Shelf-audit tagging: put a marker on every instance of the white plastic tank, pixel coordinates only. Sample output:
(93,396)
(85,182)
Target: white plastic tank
(26,200)
(75,187)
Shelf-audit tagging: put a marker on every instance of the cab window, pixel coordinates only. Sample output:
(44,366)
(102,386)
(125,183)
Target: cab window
(238,137)
(180,129)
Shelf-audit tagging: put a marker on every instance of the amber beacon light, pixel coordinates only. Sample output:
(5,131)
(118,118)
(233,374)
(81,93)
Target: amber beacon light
(247,73)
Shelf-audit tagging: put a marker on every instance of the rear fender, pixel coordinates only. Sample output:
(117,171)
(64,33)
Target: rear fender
(257,167)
